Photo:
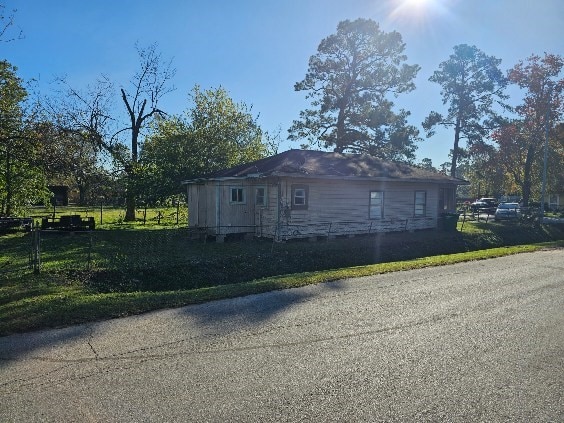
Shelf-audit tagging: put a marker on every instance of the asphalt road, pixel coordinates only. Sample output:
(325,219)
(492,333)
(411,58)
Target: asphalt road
(481,341)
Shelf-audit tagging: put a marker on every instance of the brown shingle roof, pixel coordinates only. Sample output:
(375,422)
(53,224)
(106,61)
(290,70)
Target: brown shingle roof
(322,164)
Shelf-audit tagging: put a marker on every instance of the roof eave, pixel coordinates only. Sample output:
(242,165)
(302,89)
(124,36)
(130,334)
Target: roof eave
(223,178)
(371,178)
(329,177)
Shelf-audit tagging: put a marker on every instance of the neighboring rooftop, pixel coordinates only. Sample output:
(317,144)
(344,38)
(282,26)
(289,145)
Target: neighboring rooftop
(323,164)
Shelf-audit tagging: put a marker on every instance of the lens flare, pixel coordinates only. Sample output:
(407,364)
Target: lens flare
(417,13)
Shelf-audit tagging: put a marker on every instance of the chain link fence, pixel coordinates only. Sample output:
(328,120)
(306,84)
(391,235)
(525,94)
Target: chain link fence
(132,260)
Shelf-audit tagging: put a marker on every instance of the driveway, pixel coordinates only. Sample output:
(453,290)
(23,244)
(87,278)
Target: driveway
(479,341)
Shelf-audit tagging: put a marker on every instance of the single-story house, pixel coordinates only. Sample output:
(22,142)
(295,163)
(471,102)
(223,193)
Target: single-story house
(306,193)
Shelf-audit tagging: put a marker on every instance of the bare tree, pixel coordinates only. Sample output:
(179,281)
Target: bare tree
(6,22)
(147,87)
(87,113)
(91,114)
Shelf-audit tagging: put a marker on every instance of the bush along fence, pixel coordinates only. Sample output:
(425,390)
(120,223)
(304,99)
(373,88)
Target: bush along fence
(135,249)
(171,259)
(157,260)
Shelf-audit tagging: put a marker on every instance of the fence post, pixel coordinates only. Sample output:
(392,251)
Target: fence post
(89,264)
(36,250)
(177,210)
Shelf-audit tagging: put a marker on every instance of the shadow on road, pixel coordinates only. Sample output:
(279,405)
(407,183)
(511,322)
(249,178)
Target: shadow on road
(227,316)
(47,342)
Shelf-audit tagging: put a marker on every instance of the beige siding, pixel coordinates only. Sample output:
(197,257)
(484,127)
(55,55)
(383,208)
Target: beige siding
(335,207)
(342,208)
(201,206)
(210,206)
(235,217)
(266,218)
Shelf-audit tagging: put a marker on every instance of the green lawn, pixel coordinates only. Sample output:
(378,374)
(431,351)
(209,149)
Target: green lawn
(113,218)
(112,273)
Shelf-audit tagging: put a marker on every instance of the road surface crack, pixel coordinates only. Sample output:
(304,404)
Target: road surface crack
(89,342)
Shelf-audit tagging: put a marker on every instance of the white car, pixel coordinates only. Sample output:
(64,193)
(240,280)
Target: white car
(508,211)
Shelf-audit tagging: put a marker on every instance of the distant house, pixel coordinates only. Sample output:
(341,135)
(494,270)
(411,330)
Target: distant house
(304,193)
(60,195)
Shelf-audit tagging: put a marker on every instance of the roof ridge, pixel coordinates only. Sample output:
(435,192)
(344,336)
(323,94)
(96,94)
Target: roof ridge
(330,164)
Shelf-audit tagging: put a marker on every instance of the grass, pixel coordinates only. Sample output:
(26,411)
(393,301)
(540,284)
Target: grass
(113,218)
(41,304)
(121,279)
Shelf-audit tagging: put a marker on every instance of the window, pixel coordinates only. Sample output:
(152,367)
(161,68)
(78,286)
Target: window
(447,199)
(237,195)
(420,203)
(260,196)
(376,205)
(299,197)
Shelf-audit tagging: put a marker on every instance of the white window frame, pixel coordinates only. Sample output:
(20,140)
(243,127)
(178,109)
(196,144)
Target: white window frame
(300,194)
(420,204)
(264,196)
(239,199)
(376,205)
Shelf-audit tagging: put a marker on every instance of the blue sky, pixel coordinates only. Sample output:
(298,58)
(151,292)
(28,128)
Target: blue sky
(258,49)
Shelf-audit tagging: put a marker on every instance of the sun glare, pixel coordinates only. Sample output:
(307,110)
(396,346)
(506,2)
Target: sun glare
(416,12)
(413,6)
(418,3)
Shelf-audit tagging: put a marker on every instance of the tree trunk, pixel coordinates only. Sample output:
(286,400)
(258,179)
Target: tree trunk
(130,206)
(130,194)
(526,188)
(340,143)
(455,149)
(81,194)
(8,209)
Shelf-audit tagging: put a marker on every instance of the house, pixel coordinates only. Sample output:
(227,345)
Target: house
(60,195)
(305,193)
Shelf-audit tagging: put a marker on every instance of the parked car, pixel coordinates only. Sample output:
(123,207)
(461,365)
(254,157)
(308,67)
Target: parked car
(508,211)
(484,204)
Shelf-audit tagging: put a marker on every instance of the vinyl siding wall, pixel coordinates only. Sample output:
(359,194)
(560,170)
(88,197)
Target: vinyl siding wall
(210,206)
(334,207)
(337,207)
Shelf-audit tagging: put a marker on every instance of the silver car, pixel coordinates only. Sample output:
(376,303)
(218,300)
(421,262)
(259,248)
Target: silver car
(508,211)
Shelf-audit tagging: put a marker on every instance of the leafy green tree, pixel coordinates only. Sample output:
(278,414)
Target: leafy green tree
(350,83)
(487,177)
(427,163)
(21,180)
(215,133)
(69,158)
(555,165)
(521,144)
(472,85)
(165,158)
